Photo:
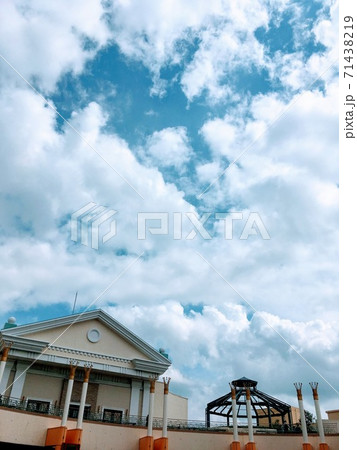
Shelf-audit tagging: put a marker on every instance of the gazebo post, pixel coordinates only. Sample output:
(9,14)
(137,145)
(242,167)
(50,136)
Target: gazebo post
(269,416)
(261,406)
(322,445)
(306,445)
(208,422)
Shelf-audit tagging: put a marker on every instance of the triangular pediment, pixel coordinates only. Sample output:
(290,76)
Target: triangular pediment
(92,332)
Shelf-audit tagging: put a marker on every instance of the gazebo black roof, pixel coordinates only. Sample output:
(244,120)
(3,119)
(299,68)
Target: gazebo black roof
(263,405)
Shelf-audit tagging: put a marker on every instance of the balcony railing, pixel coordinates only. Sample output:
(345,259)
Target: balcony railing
(173,424)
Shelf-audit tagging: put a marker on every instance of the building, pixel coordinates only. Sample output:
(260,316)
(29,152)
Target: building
(36,371)
(116,367)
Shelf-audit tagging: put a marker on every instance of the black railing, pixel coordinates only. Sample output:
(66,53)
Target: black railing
(173,424)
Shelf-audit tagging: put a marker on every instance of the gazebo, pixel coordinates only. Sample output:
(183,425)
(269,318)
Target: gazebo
(264,407)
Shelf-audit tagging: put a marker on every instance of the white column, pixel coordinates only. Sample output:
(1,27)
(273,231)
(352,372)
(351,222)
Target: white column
(249,415)
(151,406)
(146,396)
(68,395)
(318,412)
(164,416)
(302,412)
(2,368)
(5,379)
(19,380)
(4,355)
(87,370)
(135,397)
(234,413)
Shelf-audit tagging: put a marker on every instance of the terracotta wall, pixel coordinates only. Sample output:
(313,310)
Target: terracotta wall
(20,427)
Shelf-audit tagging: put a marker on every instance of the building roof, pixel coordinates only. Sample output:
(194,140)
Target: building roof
(92,336)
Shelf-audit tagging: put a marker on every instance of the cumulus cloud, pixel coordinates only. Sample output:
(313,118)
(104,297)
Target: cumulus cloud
(169,147)
(44,41)
(220,344)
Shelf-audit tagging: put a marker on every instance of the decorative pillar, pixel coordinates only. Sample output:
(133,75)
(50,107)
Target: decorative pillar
(162,443)
(323,445)
(67,402)
(4,356)
(251,443)
(146,395)
(166,395)
(135,399)
(87,369)
(19,380)
(305,445)
(147,442)
(58,436)
(235,445)
(151,405)
(4,390)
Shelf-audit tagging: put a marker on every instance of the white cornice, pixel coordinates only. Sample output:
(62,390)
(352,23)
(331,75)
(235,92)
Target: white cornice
(89,354)
(149,366)
(22,343)
(156,369)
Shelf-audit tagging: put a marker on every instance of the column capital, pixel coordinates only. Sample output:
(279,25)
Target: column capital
(247,392)
(166,381)
(87,368)
(152,385)
(5,352)
(314,390)
(72,369)
(233,391)
(298,387)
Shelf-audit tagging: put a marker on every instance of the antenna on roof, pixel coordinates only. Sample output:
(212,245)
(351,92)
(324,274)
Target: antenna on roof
(75,301)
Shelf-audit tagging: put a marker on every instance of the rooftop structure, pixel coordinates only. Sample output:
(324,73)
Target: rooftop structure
(264,407)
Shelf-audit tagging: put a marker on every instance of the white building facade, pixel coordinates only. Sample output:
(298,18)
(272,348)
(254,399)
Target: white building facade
(37,359)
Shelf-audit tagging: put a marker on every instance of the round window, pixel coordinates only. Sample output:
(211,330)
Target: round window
(93,335)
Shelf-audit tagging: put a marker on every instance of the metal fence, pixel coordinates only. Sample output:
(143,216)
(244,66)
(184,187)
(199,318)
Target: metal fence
(174,424)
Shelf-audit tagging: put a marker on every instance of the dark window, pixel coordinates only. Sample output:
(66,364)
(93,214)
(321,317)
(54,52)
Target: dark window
(38,406)
(74,410)
(112,415)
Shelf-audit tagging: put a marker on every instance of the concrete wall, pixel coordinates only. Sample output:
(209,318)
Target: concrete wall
(177,406)
(21,427)
(40,387)
(333,414)
(295,417)
(113,397)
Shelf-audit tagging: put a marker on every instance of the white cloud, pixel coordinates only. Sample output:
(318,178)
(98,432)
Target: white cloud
(220,344)
(43,41)
(169,147)
(222,50)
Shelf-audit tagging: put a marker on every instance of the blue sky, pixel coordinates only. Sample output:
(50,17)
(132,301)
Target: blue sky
(182,108)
